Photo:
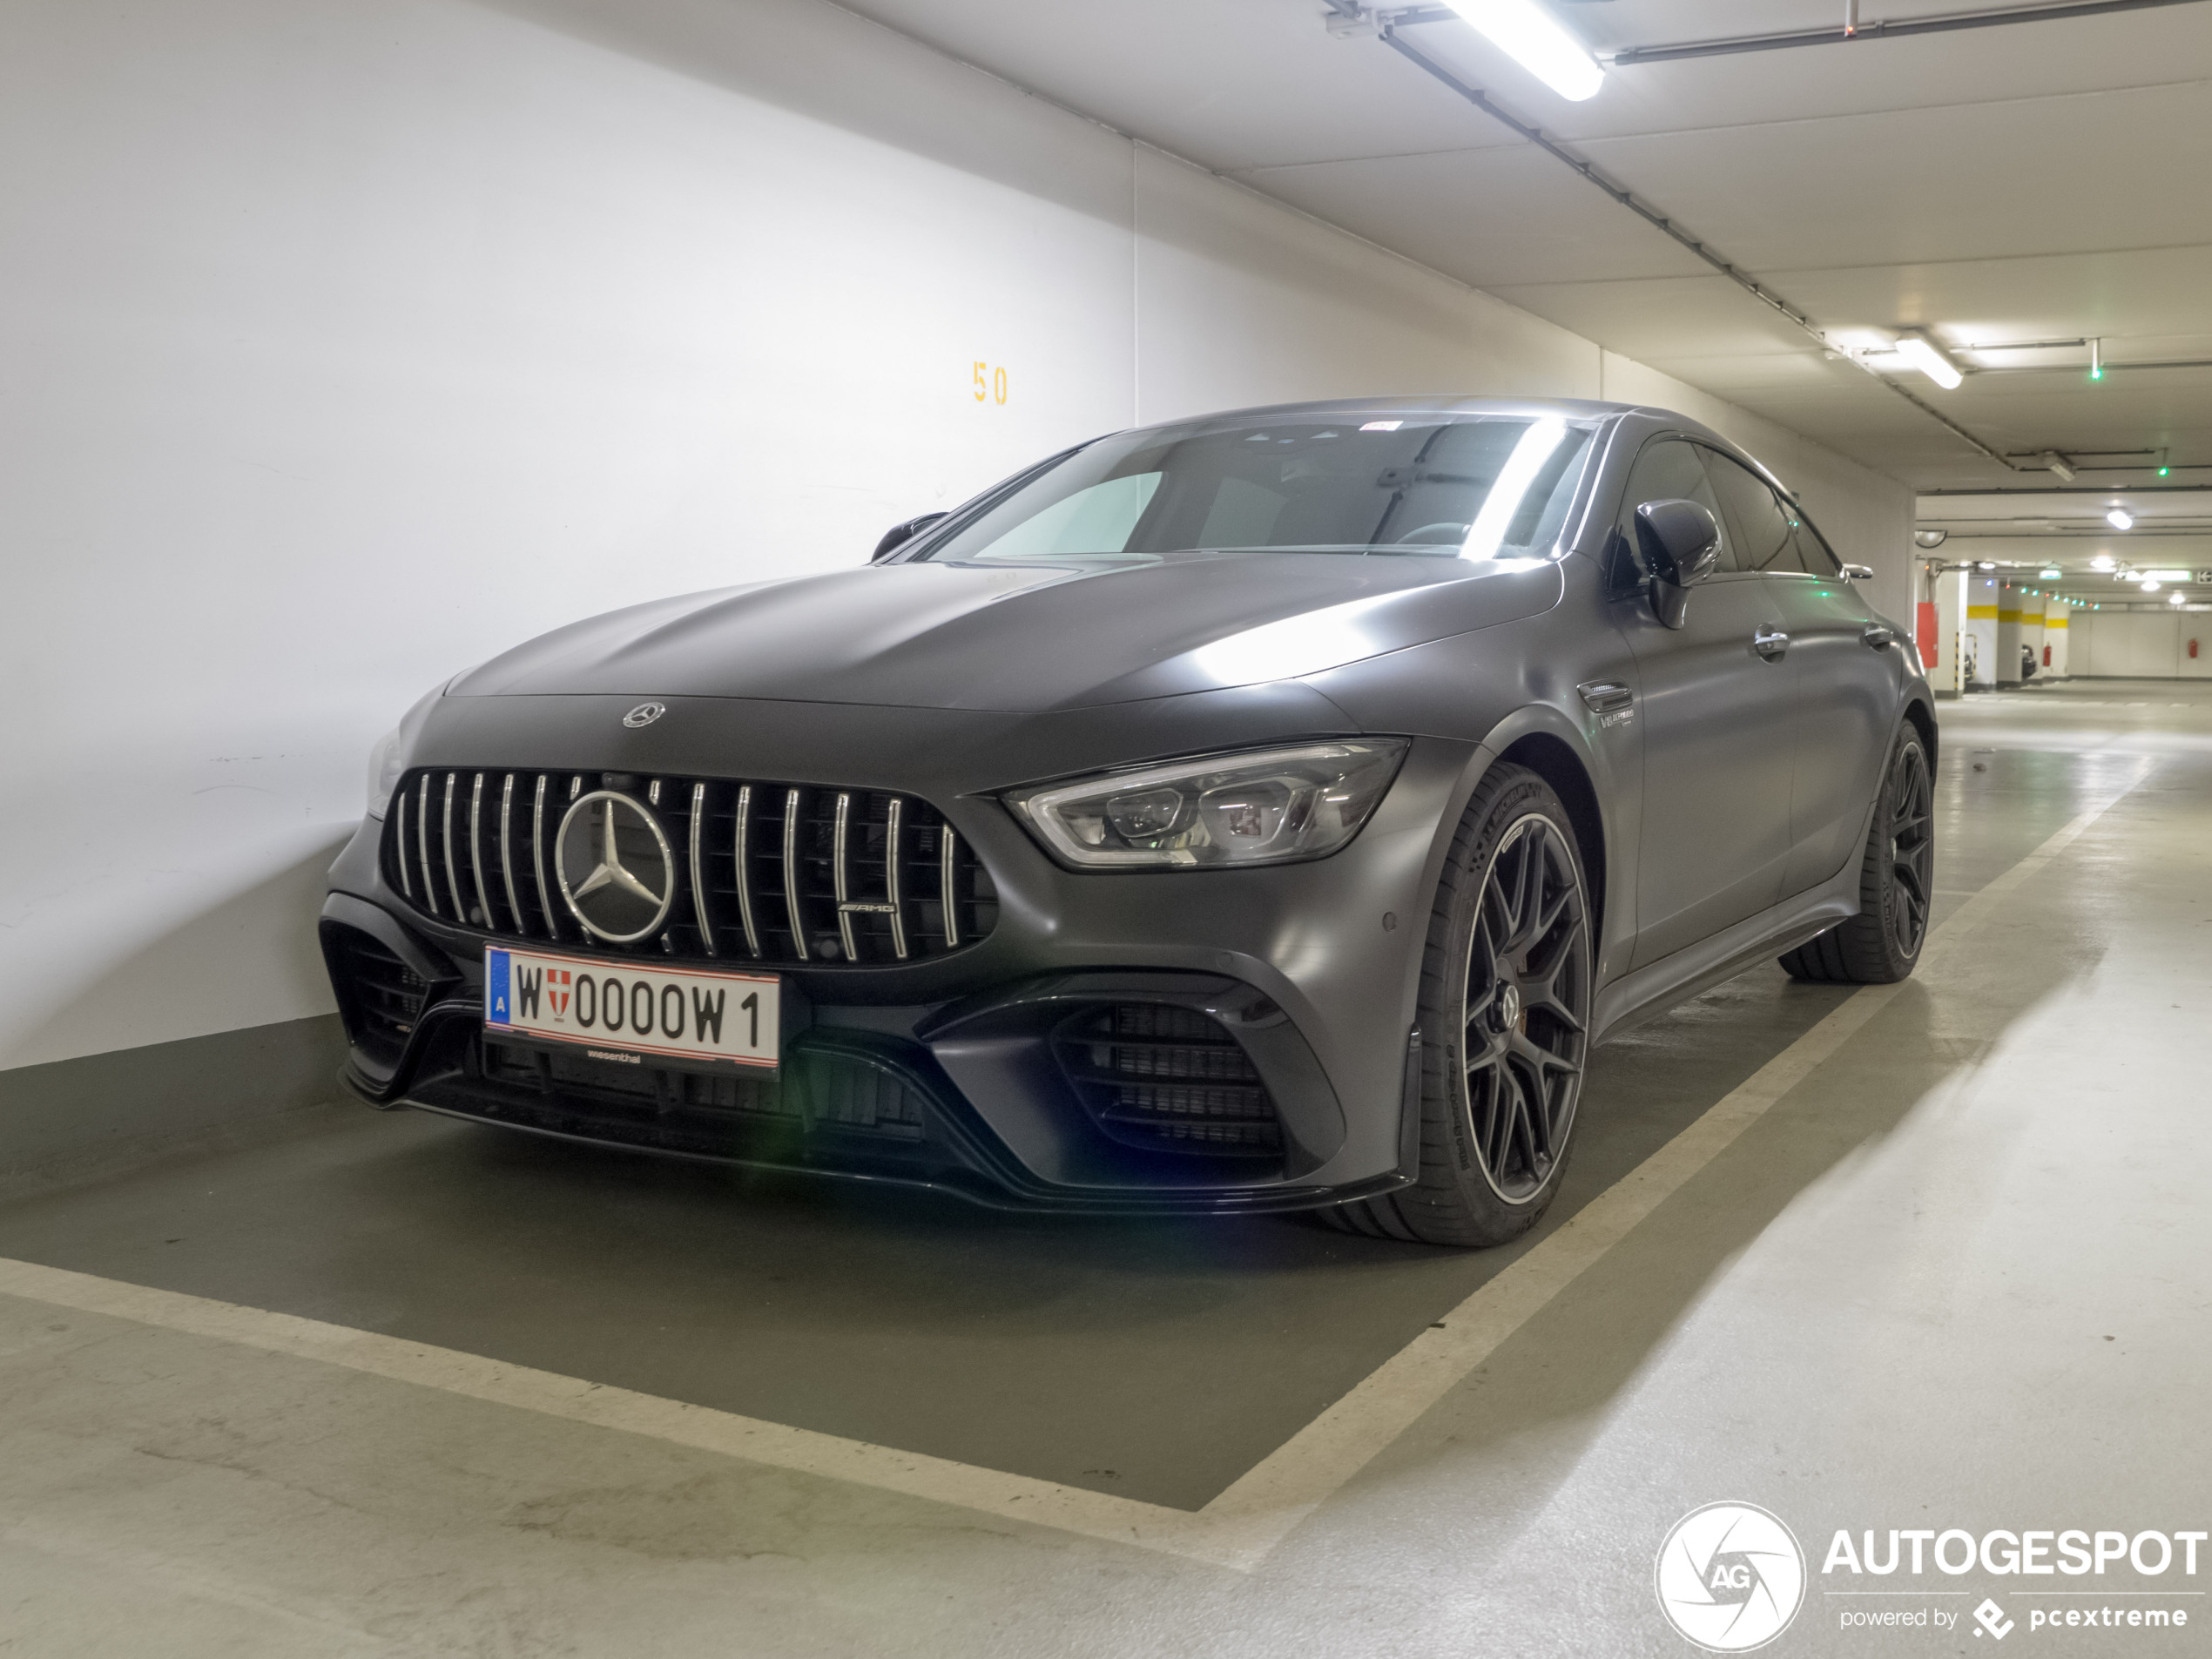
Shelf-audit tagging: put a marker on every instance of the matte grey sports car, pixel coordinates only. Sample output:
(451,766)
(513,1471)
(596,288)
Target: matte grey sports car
(1260,812)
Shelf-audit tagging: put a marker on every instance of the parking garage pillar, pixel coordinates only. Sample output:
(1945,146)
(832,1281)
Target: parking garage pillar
(1978,639)
(1942,635)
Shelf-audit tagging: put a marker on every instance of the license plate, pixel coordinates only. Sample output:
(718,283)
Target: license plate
(626,1013)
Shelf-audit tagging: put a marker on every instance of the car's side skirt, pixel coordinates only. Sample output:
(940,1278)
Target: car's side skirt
(1671,980)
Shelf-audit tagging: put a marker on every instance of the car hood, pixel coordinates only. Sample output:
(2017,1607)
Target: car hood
(1023,637)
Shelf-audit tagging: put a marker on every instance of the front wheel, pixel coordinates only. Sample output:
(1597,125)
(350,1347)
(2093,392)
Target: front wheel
(1505,1012)
(1882,943)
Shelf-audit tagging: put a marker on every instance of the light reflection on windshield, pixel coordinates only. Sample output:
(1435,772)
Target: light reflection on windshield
(1432,486)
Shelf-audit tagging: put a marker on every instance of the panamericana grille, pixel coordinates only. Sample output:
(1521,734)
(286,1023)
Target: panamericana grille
(768,871)
(1154,1075)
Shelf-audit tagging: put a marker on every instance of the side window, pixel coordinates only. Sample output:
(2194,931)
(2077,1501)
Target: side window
(1667,469)
(1812,548)
(1765,537)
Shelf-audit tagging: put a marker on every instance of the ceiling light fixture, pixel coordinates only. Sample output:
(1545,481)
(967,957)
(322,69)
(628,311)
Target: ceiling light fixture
(1922,353)
(1987,564)
(2051,575)
(2173,599)
(2056,463)
(2150,587)
(2102,561)
(1535,39)
(2097,359)
(2120,519)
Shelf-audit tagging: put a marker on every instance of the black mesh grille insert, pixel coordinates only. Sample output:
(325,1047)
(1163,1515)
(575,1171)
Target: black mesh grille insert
(381,995)
(766,872)
(1167,1078)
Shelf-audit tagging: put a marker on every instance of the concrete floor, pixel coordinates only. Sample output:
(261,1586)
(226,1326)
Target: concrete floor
(1957,1276)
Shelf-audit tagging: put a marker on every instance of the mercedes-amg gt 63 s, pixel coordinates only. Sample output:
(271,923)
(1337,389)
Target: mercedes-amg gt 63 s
(1260,812)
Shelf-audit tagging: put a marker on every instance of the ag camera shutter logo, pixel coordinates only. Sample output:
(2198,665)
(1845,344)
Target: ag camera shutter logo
(1730,1577)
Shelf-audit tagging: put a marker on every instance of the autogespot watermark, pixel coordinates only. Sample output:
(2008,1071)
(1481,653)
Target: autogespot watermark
(1731,1578)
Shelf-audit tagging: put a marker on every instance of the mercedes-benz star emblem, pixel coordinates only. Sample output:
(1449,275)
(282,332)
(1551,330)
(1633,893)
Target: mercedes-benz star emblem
(645,714)
(617,869)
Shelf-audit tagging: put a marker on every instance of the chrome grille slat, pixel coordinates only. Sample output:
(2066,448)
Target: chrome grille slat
(741,855)
(904,899)
(507,850)
(423,840)
(948,883)
(698,868)
(476,849)
(399,842)
(793,910)
(452,875)
(537,861)
(891,843)
(840,877)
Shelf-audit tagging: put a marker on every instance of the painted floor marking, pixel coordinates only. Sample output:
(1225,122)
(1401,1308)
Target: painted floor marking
(1242,1525)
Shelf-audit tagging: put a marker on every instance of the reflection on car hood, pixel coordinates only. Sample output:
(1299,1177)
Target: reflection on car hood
(1023,637)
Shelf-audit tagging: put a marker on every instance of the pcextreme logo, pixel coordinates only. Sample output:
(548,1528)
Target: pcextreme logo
(1730,1577)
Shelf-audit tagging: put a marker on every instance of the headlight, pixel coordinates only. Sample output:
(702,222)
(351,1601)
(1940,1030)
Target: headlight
(388,759)
(1268,806)
(383,771)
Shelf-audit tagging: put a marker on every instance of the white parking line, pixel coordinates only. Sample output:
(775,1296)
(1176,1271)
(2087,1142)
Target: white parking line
(1240,1526)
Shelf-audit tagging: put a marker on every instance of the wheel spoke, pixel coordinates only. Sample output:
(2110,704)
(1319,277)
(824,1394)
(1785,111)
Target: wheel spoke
(1542,993)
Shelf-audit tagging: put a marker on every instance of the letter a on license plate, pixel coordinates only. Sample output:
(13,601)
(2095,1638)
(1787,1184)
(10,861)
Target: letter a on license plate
(631,1013)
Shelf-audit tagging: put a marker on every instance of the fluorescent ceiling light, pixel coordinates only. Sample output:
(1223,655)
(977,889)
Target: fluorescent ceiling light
(2102,561)
(2149,586)
(1533,38)
(1988,564)
(2167,575)
(2120,519)
(2056,464)
(2173,599)
(2051,575)
(1923,355)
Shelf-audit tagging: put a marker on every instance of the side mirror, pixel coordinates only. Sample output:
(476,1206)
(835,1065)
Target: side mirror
(1681,542)
(898,535)
(1858,573)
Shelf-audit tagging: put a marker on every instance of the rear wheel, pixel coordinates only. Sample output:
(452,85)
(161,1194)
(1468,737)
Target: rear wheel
(1882,943)
(1504,1009)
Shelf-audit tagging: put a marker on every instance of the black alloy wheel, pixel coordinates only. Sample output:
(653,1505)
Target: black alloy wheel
(1506,982)
(1883,943)
(1526,1009)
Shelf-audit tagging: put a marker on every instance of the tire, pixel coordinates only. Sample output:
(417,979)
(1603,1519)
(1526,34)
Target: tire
(1882,943)
(1504,1006)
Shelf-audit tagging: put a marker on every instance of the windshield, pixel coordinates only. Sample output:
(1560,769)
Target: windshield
(1438,486)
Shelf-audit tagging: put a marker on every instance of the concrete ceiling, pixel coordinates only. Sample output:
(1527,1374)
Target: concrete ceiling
(2044,181)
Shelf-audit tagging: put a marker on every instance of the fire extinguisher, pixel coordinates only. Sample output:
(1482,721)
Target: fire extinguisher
(2046,656)
(2192,648)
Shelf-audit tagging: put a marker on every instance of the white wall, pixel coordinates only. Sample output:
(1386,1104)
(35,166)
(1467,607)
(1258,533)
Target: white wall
(349,341)
(2140,645)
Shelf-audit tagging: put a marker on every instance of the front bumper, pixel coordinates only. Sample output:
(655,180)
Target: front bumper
(956,1073)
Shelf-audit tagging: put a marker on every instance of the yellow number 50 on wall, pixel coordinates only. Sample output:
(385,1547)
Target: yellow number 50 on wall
(990,383)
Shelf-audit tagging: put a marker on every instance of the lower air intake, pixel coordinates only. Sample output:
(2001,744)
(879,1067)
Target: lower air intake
(1167,1079)
(380,996)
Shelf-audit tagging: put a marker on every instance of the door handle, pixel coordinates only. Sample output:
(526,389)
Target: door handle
(1606,697)
(1769,642)
(1878,636)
